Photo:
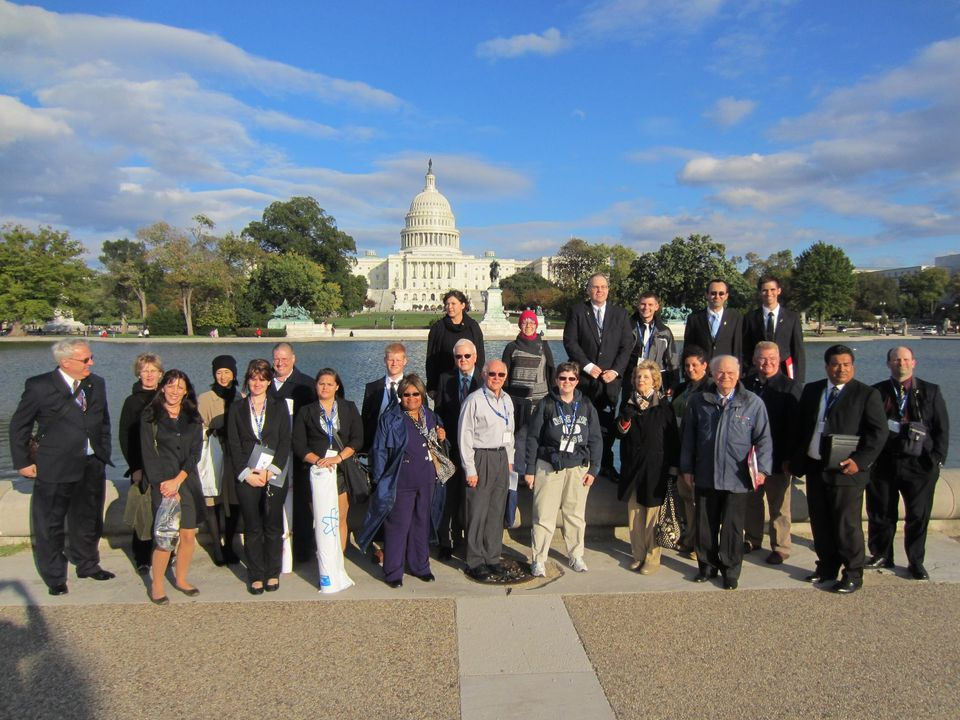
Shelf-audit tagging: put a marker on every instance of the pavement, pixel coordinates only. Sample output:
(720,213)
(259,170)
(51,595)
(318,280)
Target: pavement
(608,643)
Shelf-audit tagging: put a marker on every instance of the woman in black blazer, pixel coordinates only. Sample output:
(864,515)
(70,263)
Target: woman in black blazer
(171,438)
(326,433)
(258,420)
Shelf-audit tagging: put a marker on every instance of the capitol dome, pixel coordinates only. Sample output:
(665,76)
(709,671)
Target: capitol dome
(430,224)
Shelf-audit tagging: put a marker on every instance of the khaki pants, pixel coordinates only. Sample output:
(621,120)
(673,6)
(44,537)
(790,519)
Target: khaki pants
(565,492)
(776,488)
(642,521)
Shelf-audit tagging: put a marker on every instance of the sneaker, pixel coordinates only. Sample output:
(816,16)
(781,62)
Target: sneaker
(578,565)
(537,569)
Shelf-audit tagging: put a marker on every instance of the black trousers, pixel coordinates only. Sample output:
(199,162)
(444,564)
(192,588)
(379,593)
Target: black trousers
(835,512)
(453,521)
(891,478)
(720,519)
(304,539)
(78,503)
(262,510)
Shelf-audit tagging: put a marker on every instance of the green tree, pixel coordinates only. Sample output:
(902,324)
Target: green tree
(823,281)
(926,287)
(39,272)
(296,279)
(876,294)
(620,262)
(680,271)
(187,263)
(128,274)
(779,264)
(576,261)
(528,289)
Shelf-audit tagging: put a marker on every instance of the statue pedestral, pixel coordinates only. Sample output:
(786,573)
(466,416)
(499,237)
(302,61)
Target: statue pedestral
(286,315)
(494,322)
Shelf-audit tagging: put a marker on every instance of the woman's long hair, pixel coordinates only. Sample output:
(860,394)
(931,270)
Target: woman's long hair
(188,405)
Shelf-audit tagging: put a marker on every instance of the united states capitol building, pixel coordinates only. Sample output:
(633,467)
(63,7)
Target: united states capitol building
(430,261)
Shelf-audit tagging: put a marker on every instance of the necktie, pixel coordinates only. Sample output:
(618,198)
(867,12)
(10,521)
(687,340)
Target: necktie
(81,397)
(599,322)
(770,326)
(713,325)
(831,400)
(393,392)
(723,402)
(464,387)
(647,337)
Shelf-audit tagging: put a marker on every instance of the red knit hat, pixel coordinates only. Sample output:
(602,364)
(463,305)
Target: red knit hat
(528,315)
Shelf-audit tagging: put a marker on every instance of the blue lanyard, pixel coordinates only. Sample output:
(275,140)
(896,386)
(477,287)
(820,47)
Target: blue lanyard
(328,422)
(258,420)
(504,415)
(568,431)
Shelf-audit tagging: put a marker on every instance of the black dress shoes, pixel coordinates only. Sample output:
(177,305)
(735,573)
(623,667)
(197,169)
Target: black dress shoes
(730,584)
(429,577)
(60,589)
(878,562)
(98,574)
(816,578)
(846,586)
(918,572)
(395,583)
(749,547)
(479,573)
(775,558)
(444,553)
(704,575)
(496,569)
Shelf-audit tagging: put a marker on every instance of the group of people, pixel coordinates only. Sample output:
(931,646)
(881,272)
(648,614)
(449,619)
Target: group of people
(728,423)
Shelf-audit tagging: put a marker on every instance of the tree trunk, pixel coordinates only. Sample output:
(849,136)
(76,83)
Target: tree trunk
(142,297)
(17,329)
(185,295)
(123,323)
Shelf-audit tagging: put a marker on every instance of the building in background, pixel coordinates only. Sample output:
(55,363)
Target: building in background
(430,260)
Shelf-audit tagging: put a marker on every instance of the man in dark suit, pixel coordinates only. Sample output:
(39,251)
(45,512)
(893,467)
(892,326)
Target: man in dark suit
(716,329)
(773,322)
(379,394)
(452,390)
(839,405)
(780,395)
(905,468)
(598,337)
(69,406)
(297,389)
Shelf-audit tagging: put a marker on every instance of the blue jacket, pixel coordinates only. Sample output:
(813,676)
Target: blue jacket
(386,455)
(716,441)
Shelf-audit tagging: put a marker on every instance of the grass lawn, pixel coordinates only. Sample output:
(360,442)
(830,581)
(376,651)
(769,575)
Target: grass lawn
(404,320)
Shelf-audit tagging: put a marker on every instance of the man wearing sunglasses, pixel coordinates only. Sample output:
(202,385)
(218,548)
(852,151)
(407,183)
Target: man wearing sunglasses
(486,435)
(716,329)
(452,389)
(69,406)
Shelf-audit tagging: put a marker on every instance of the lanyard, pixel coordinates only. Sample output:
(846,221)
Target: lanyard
(328,422)
(258,420)
(568,431)
(504,415)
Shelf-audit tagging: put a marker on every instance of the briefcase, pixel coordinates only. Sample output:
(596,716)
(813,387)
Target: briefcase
(839,448)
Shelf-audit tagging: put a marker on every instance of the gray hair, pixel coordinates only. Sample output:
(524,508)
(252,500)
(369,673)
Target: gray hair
(489,363)
(765,345)
(63,350)
(463,342)
(715,362)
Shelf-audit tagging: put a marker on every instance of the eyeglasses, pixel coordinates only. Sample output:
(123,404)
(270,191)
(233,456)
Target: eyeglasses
(465,356)
(410,394)
(567,378)
(496,374)
(83,360)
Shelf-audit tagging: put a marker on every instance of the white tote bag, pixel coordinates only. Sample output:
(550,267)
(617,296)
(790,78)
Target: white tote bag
(210,466)
(326,527)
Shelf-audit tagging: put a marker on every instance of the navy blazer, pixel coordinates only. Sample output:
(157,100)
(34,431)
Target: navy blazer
(447,406)
(729,340)
(788,335)
(373,393)
(858,411)
(610,350)
(64,429)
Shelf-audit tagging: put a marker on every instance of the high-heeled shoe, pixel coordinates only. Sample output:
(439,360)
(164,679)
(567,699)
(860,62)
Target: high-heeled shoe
(274,587)
(255,590)
(162,600)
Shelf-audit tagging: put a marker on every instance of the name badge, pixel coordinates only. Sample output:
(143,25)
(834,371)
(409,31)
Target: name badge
(567,444)
(821,426)
(893,425)
(507,437)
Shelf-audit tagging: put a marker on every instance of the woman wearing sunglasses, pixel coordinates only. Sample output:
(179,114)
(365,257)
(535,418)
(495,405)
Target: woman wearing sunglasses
(405,475)
(564,447)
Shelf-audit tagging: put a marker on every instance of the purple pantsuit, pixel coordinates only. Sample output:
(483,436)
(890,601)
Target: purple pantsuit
(406,529)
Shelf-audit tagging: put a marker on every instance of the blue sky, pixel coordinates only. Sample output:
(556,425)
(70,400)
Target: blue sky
(768,125)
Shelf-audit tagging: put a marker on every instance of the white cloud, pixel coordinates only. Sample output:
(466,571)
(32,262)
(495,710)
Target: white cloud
(728,111)
(635,19)
(549,42)
(21,122)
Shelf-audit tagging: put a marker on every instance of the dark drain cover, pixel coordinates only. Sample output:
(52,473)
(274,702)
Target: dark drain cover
(514,573)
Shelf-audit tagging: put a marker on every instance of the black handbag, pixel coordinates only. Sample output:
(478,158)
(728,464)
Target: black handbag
(356,475)
(667,531)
